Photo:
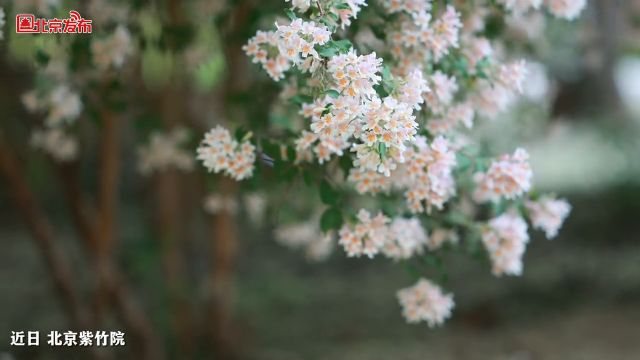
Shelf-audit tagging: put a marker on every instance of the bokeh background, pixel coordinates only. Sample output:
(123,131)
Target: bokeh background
(579,296)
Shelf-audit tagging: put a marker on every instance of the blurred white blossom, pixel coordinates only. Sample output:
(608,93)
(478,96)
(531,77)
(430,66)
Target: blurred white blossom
(505,238)
(216,203)
(113,50)
(307,236)
(164,151)
(426,302)
(61,146)
(567,9)
(548,214)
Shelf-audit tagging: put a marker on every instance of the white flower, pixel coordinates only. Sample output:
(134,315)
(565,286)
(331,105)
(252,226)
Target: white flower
(113,50)
(512,75)
(216,203)
(256,205)
(527,26)
(307,236)
(425,301)
(491,99)
(509,177)
(302,5)
(369,181)
(429,178)
(458,114)
(406,238)
(345,15)
(367,237)
(220,153)
(63,105)
(410,6)
(521,6)
(31,101)
(443,89)
(567,9)
(292,44)
(414,88)
(548,214)
(354,74)
(440,236)
(476,49)
(505,238)
(61,146)
(164,152)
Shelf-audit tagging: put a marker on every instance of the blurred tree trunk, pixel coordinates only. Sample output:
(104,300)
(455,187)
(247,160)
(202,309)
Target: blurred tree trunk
(170,210)
(595,92)
(223,254)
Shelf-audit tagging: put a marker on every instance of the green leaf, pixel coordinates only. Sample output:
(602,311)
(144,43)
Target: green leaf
(346,164)
(343,6)
(328,194)
(301,99)
(382,149)
(386,74)
(333,93)
(326,51)
(290,14)
(331,219)
(270,148)
(342,45)
(308,177)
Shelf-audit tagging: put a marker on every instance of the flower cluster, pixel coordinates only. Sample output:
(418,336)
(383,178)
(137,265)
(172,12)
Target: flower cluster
(443,90)
(306,235)
(459,114)
(426,302)
(367,237)
(216,203)
(164,152)
(369,181)
(505,238)
(61,104)
(221,153)
(343,11)
(508,177)
(289,44)
(430,181)
(418,38)
(113,50)
(407,238)
(520,6)
(567,9)
(548,214)
(381,127)
(402,125)
(61,146)
(441,236)
(355,75)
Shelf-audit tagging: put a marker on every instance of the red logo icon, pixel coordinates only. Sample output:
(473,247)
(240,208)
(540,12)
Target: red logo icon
(75,24)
